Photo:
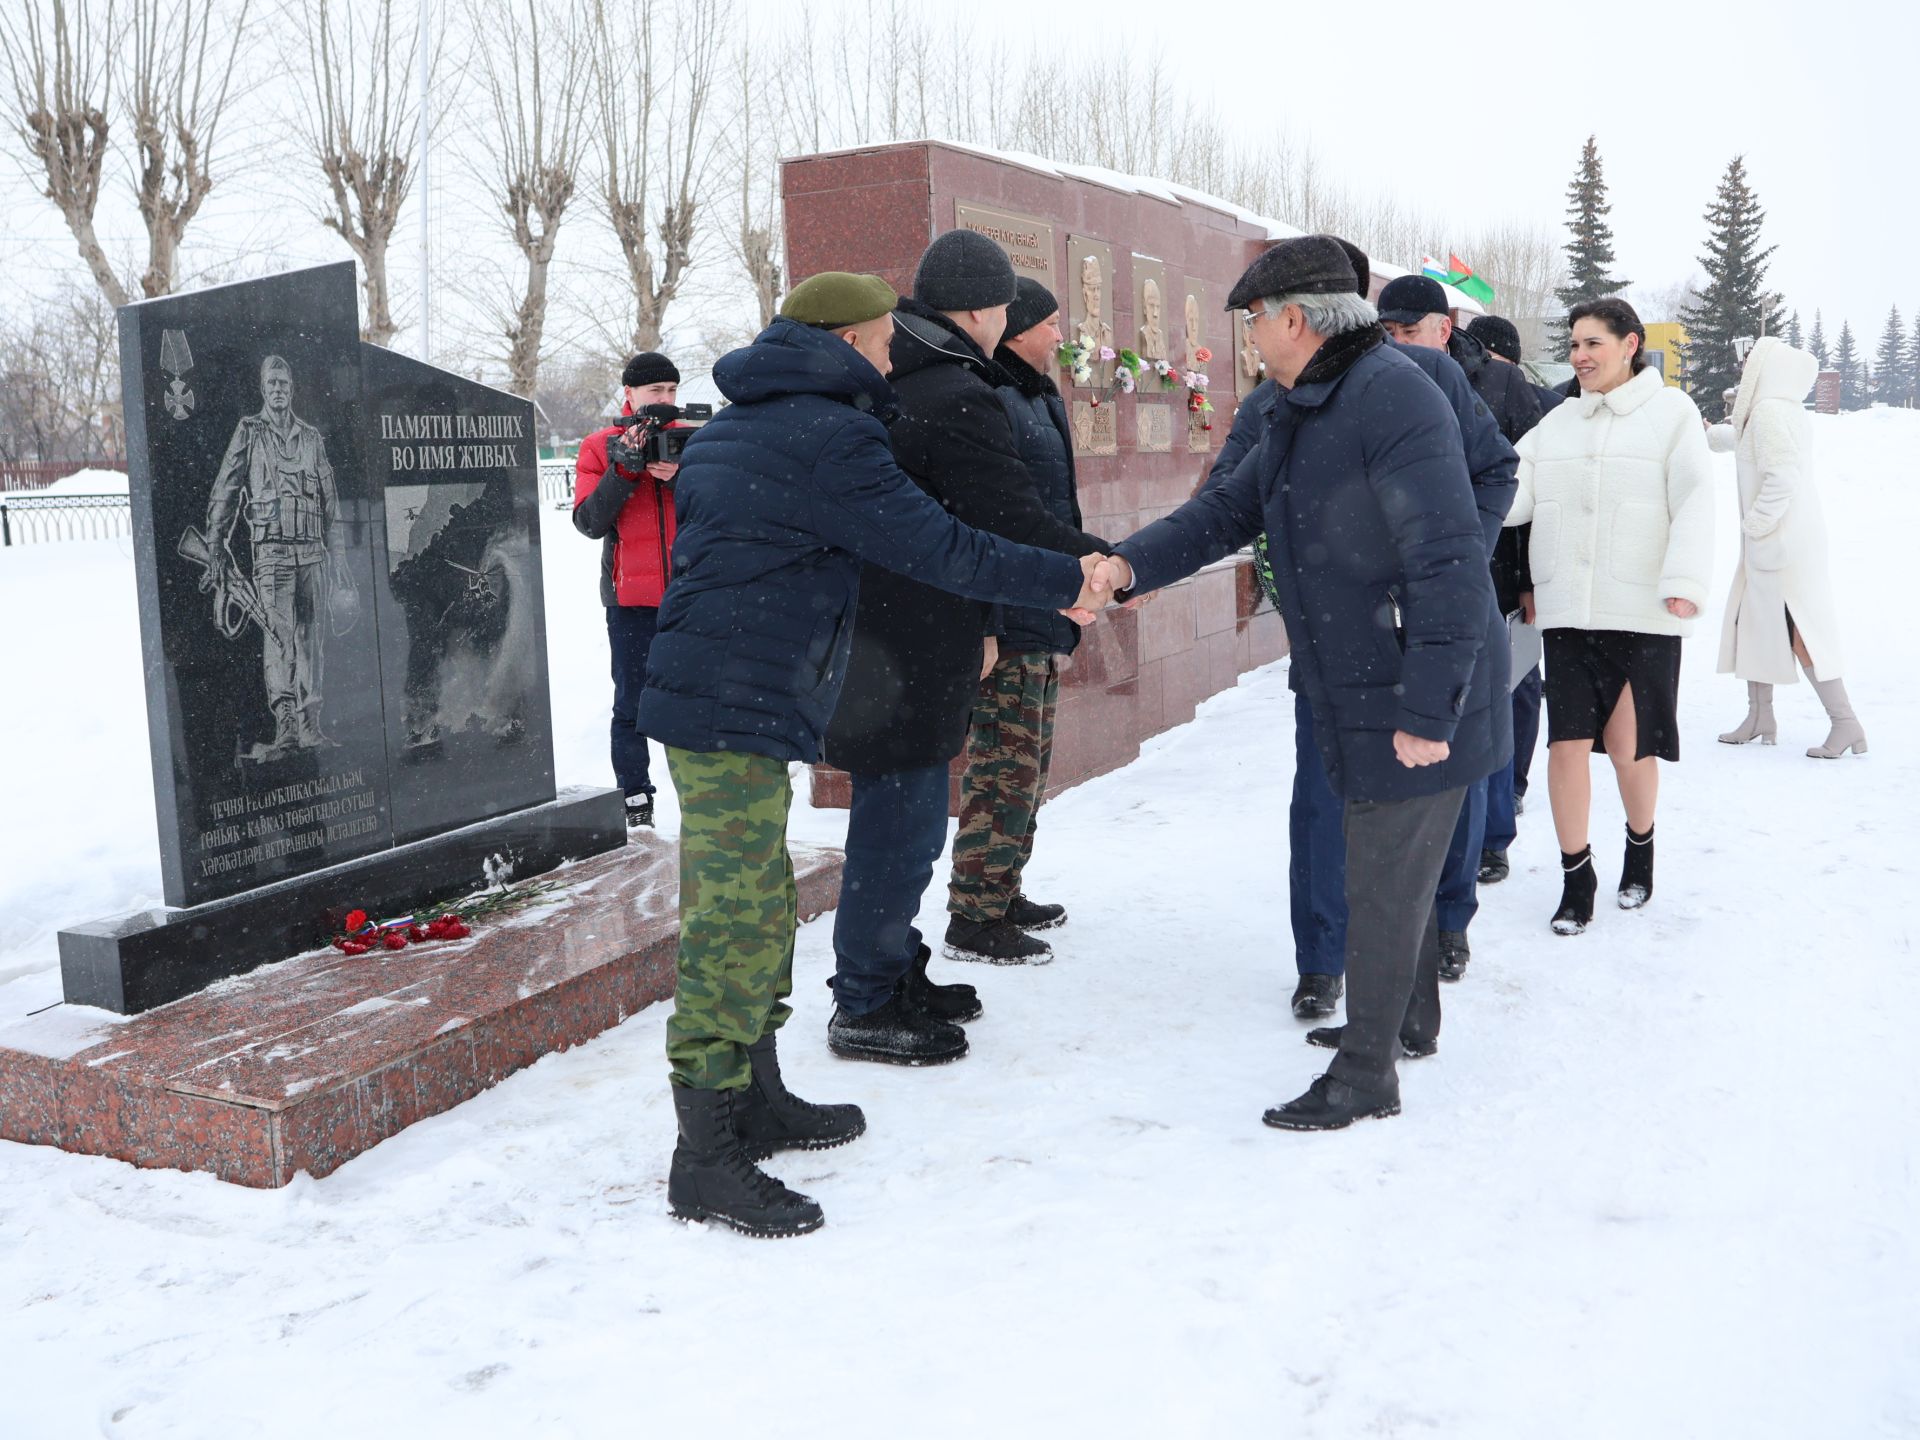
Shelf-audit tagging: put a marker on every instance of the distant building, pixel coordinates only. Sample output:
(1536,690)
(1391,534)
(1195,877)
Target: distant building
(1664,339)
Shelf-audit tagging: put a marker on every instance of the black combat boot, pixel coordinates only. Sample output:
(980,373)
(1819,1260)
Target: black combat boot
(997,942)
(942,1002)
(1032,915)
(1327,1037)
(1316,996)
(898,1033)
(1493,867)
(1578,886)
(1454,954)
(640,811)
(769,1117)
(712,1178)
(1636,871)
(1331,1104)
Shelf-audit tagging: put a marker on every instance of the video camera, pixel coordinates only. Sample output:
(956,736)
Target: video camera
(656,443)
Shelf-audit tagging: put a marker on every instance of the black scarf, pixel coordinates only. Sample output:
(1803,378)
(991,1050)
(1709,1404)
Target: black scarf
(1027,380)
(1338,352)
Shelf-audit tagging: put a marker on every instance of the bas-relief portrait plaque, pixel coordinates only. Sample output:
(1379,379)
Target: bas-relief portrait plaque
(1027,241)
(1095,429)
(1151,307)
(1246,359)
(1153,427)
(1193,339)
(1090,288)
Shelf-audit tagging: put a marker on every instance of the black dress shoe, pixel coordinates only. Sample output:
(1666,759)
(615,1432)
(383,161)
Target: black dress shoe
(1454,954)
(1331,1104)
(1327,1037)
(1493,867)
(1317,996)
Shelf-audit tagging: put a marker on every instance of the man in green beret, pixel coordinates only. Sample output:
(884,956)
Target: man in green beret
(781,497)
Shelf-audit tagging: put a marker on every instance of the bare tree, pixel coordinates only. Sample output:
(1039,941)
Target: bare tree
(60,381)
(360,122)
(653,92)
(60,97)
(755,163)
(175,103)
(537,84)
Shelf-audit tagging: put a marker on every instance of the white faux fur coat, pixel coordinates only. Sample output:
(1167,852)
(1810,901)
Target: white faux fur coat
(1783,536)
(1619,489)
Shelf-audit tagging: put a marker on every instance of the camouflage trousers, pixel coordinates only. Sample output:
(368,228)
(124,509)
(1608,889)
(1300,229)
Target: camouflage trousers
(738,908)
(1009,748)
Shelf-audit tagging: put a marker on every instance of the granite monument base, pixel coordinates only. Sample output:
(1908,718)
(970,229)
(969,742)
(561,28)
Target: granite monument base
(131,963)
(305,1064)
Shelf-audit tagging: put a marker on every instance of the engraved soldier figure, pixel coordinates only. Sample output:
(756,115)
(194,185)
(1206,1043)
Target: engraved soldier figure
(1153,333)
(276,473)
(1094,330)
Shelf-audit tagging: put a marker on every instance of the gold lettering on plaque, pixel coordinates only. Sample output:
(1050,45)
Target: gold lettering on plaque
(1094,431)
(1027,241)
(1153,429)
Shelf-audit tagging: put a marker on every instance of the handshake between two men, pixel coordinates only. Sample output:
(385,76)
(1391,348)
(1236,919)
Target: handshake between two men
(1108,576)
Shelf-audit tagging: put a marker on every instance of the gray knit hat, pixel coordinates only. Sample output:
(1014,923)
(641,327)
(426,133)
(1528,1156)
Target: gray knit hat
(1305,265)
(1032,303)
(963,270)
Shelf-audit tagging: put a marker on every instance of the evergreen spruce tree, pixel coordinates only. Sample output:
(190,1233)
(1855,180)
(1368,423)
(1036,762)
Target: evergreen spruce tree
(1590,246)
(1847,362)
(1735,301)
(1793,331)
(1817,343)
(1889,363)
(1913,363)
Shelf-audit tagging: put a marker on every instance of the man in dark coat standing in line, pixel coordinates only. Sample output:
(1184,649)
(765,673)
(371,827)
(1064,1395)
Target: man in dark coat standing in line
(1010,744)
(1415,311)
(1379,555)
(918,657)
(1317,849)
(1513,584)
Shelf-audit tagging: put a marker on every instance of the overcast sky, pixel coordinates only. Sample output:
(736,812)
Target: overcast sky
(1471,111)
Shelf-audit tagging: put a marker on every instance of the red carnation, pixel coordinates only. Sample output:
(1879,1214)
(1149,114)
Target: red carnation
(1202,355)
(394,940)
(416,933)
(356,920)
(355,947)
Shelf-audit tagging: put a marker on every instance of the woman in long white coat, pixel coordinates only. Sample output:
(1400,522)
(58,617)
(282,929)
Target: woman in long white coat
(1781,607)
(1619,487)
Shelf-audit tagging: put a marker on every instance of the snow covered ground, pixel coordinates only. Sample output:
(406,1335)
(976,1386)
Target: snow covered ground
(1661,1180)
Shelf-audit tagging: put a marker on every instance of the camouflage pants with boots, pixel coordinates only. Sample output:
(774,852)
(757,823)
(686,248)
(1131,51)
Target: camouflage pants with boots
(738,909)
(1009,748)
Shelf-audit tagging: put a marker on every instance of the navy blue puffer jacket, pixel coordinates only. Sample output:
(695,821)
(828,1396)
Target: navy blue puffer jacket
(780,497)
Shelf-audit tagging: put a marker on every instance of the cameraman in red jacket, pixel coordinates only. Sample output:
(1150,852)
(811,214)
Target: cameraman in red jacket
(627,505)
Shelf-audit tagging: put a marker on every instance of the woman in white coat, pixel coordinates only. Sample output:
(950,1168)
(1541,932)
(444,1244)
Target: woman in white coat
(1618,486)
(1781,607)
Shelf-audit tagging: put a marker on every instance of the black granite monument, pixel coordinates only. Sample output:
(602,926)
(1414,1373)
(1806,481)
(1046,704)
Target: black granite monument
(337,552)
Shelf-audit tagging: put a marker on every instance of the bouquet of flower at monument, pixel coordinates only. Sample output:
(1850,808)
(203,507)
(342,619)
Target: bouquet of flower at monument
(1078,357)
(1196,381)
(1126,374)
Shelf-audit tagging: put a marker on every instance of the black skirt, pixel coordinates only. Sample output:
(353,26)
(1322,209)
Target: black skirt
(1587,669)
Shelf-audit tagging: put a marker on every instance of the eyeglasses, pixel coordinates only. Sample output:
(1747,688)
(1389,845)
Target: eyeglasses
(1253,315)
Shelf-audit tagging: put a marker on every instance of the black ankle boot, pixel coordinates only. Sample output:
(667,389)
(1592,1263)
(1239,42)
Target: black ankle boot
(1636,871)
(898,1033)
(768,1117)
(943,1002)
(1578,886)
(712,1179)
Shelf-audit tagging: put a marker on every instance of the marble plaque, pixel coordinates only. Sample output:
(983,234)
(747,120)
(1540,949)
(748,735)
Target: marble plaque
(462,618)
(1153,428)
(256,549)
(1095,431)
(1199,437)
(1090,283)
(1247,371)
(1154,312)
(1028,242)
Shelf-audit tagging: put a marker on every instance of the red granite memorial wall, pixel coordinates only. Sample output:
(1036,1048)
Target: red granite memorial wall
(1136,673)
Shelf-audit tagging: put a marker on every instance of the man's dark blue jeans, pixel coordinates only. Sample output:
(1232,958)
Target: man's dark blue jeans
(630,635)
(896,829)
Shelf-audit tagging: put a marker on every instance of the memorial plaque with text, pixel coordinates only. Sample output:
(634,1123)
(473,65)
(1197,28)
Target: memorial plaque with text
(462,624)
(1095,429)
(1153,428)
(1090,280)
(1028,242)
(1152,325)
(256,542)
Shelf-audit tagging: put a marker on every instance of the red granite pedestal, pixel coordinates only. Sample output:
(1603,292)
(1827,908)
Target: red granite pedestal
(305,1064)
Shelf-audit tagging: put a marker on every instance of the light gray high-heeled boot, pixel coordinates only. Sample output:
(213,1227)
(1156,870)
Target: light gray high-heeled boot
(1845,732)
(1759,722)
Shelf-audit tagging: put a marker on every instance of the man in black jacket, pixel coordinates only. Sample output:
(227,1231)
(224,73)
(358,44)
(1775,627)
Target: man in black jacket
(918,657)
(1010,743)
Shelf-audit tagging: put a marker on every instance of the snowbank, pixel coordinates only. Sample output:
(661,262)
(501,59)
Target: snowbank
(88,482)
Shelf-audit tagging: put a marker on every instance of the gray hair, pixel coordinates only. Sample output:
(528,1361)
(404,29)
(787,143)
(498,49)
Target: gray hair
(1334,314)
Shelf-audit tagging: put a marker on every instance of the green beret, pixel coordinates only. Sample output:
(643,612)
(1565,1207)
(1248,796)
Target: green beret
(836,299)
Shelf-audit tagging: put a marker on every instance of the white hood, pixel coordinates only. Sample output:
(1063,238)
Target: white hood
(1775,371)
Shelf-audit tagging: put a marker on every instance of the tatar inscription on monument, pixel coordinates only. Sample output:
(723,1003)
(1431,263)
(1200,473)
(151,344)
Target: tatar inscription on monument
(1027,241)
(256,541)
(1095,429)
(1153,427)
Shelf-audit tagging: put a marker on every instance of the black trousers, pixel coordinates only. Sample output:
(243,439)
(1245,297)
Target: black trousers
(1395,852)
